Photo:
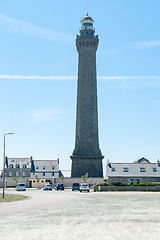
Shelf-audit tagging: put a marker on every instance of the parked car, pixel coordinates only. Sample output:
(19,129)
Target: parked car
(75,186)
(59,186)
(47,187)
(84,187)
(21,187)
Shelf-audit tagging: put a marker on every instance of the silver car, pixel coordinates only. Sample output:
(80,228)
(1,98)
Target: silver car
(21,187)
(47,187)
(84,187)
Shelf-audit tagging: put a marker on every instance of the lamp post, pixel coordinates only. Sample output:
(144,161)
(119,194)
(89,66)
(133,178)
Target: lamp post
(4,161)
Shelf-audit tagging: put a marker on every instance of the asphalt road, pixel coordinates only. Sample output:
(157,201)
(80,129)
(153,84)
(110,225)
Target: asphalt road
(71,215)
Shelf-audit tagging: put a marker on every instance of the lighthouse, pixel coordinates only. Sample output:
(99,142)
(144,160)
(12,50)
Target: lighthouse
(87,156)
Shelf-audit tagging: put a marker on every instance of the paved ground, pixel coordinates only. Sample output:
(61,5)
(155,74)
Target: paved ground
(76,216)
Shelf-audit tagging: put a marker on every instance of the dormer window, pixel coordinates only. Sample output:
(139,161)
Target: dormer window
(11,166)
(24,166)
(17,166)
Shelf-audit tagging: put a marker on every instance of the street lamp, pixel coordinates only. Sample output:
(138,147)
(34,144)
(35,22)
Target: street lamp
(4,161)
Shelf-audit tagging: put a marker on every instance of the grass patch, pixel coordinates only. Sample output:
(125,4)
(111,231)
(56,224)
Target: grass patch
(12,197)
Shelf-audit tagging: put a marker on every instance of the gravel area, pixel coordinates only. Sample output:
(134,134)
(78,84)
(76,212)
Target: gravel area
(76,216)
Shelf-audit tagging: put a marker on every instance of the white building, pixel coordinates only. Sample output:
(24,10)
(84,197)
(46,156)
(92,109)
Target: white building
(46,169)
(30,171)
(141,171)
(18,167)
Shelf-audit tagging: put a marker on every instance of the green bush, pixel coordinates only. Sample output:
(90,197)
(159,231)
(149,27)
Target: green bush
(144,184)
(102,184)
(118,184)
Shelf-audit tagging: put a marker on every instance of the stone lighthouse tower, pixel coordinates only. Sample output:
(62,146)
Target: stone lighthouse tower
(87,156)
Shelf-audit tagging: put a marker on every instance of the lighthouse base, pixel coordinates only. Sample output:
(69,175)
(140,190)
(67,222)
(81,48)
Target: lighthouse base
(91,166)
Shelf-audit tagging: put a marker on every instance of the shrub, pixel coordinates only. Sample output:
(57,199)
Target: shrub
(102,184)
(118,184)
(144,184)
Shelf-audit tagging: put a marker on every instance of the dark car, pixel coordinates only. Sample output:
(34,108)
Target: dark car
(59,186)
(75,186)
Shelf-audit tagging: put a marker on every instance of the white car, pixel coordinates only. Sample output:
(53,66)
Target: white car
(84,187)
(21,187)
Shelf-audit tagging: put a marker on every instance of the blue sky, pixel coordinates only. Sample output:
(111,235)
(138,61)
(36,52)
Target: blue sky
(38,73)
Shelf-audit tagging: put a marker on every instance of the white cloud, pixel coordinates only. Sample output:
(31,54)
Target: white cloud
(23,28)
(5,76)
(145,44)
(132,82)
(127,77)
(102,78)
(46,114)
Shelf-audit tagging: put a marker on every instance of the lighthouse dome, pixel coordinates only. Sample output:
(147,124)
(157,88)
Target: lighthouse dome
(86,19)
(87,22)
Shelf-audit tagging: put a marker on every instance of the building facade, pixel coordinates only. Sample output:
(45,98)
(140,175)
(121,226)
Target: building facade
(31,172)
(46,169)
(87,156)
(18,167)
(141,171)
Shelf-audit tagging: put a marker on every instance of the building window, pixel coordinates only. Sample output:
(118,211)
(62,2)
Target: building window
(142,170)
(137,181)
(36,167)
(43,174)
(23,174)
(17,166)
(33,180)
(42,181)
(52,167)
(11,166)
(154,169)
(134,181)
(17,174)
(131,181)
(44,167)
(113,169)
(52,174)
(33,173)
(125,169)
(12,160)
(24,166)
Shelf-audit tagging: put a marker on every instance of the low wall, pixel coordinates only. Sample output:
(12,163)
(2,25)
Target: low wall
(1,183)
(127,188)
(10,182)
(69,181)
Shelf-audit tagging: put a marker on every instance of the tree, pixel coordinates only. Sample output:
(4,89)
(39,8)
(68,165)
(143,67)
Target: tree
(84,177)
(37,178)
(16,179)
(62,177)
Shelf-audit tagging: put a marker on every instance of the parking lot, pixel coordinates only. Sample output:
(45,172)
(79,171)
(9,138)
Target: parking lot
(68,215)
